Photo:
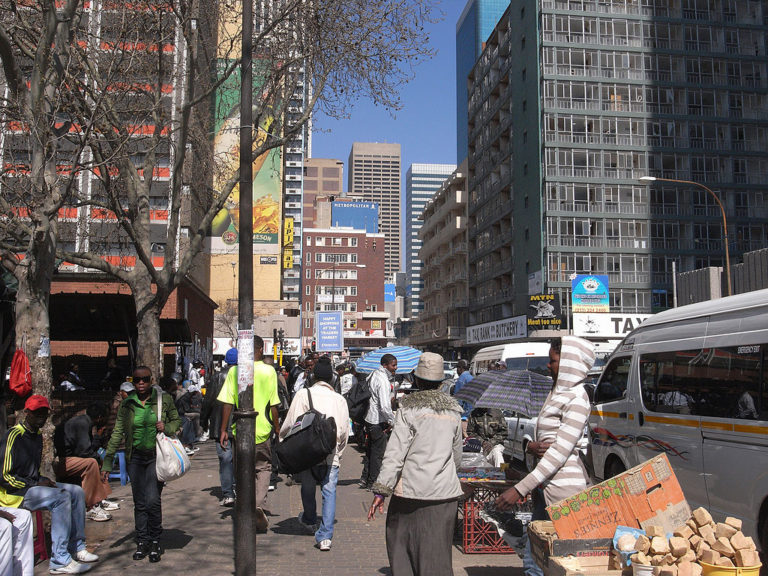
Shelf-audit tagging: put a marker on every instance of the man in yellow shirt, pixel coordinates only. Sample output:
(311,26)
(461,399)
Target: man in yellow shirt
(265,402)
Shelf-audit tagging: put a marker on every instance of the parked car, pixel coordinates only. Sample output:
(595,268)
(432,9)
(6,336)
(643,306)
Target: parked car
(520,429)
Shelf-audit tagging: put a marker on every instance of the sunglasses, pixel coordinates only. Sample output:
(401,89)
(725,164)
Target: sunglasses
(142,378)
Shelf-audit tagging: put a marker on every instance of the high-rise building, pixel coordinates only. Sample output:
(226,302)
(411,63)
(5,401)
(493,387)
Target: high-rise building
(475,24)
(421,183)
(323,182)
(374,176)
(571,106)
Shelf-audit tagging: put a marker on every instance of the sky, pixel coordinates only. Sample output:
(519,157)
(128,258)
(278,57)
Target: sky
(425,127)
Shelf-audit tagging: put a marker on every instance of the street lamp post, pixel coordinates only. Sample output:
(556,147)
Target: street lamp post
(722,211)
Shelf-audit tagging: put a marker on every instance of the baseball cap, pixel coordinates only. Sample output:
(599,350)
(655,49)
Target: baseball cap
(127,387)
(36,402)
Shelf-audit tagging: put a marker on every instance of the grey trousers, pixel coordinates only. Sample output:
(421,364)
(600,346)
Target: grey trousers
(263,467)
(419,536)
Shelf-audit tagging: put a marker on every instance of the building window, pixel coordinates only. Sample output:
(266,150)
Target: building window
(522,12)
(309,241)
(525,169)
(307,323)
(307,291)
(318,257)
(309,258)
(319,241)
(336,241)
(525,202)
(522,75)
(353,242)
(527,234)
(525,136)
(353,290)
(308,275)
(525,105)
(522,43)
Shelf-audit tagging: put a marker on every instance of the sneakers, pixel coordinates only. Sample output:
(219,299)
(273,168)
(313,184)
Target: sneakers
(97,514)
(85,556)
(262,522)
(142,550)
(228,502)
(271,488)
(109,505)
(191,451)
(310,528)
(154,551)
(74,567)
(324,545)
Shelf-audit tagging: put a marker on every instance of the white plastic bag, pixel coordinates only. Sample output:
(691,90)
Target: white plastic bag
(172,461)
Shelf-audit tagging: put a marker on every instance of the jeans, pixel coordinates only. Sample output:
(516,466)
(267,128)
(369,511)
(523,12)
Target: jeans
(226,470)
(147,508)
(187,431)
(539,513)
(377,445)
(328,492)
(67,505)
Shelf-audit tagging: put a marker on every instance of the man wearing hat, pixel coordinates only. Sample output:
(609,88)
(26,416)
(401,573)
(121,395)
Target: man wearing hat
(21,485)
(326,401)
(419,472)
(210,420)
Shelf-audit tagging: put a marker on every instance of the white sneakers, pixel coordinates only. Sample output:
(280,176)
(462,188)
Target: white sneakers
(228,502)
(109,505)
(85,556)
(324,545)
(191,451)
(74,567)
(98,514)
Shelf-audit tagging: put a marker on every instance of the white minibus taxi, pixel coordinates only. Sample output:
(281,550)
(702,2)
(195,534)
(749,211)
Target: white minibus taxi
(532,356)
(691,382)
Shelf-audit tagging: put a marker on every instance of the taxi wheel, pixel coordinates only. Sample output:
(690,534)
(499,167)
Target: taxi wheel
(614,468)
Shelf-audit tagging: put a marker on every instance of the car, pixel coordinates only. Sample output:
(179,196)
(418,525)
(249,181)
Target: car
(520,431)
(449,368)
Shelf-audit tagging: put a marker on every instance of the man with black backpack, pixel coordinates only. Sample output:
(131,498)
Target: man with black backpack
(321,397)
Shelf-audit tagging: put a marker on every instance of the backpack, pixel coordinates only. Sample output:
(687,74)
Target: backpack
(20,381)
(358,398)
(311,440)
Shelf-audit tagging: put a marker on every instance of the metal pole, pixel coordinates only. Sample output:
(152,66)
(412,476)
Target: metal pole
(674,284)
(244,517)
(722,211)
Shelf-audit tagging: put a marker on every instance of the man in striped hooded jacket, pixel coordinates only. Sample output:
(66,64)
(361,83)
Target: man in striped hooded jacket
(559,436)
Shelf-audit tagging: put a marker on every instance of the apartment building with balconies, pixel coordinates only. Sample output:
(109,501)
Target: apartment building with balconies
(443,234)
(570,104)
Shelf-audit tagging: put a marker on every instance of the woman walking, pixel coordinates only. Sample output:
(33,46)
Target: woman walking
(138,422)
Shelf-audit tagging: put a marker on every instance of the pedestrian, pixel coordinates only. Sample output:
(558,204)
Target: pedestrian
(560,472)
(265,402)
(183,407)
(379,418)
(304,377)
(210,419)
(138,422)
(21,485)
(17,556)
(419,472)
(333,405)
(465,377)
(78,456)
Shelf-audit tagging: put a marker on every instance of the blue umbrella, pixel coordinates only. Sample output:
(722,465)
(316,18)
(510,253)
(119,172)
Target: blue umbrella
(407,359)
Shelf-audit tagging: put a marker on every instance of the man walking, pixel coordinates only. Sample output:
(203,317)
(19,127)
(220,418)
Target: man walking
(379,419)
(265,401)
(21,452)
(210,419)
(326,401)
(465,377)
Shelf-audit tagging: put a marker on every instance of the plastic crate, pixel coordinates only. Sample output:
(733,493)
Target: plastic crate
(477,535)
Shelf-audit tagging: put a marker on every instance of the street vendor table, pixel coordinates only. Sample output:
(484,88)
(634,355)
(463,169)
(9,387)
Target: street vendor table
(477,535)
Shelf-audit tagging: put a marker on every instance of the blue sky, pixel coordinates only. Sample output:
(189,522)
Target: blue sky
(425,127)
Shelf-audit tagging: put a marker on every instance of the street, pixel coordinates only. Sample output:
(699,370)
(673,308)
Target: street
(198,532)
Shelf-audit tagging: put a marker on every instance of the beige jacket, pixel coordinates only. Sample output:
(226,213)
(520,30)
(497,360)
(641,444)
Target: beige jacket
(326,401)
(424,451)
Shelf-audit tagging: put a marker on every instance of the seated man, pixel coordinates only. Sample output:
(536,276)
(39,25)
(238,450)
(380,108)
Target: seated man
(78,457)
(21,452)
(490,427)
(17,554)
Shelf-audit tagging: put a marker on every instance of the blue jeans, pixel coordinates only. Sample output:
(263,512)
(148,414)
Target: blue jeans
(67,505)
(226,470)
(328,492)
(539,513)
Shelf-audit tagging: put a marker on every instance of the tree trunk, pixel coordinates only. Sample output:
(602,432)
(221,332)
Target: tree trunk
(148,330)
(33,323)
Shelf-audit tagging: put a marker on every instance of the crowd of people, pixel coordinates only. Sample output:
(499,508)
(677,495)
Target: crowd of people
(412,442)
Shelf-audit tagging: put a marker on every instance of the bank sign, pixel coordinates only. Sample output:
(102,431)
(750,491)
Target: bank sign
(589,293)
(508,329)
(606,325)
(330,331)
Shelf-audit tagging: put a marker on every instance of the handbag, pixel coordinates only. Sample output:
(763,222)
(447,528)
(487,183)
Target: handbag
(311,440)
(171,460)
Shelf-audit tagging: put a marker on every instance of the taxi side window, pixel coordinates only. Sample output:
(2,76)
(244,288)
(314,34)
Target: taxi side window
(613,381)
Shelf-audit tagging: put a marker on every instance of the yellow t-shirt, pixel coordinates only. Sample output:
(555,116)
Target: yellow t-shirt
(264,396)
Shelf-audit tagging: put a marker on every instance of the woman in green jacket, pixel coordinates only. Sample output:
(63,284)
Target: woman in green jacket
(138,423)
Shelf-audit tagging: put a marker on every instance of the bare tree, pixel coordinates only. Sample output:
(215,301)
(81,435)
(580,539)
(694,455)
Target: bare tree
(137,81)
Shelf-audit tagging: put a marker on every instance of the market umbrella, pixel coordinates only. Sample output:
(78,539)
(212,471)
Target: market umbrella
(407,359)
(519,391)
(474,389)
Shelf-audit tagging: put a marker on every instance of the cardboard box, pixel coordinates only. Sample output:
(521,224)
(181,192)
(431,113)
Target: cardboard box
(648,494)
(595,566)
(546,544)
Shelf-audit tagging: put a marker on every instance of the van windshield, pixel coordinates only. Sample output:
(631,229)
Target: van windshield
(532,363)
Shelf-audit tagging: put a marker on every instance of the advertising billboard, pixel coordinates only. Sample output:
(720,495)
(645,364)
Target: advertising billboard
(589,293)
(360,215)
(606,325)
(544,312)
(329,331)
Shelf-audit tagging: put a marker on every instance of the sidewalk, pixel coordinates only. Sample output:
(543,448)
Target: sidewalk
(198,532)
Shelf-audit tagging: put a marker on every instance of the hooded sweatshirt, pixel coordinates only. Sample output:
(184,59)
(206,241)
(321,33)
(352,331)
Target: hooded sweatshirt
(561,421)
